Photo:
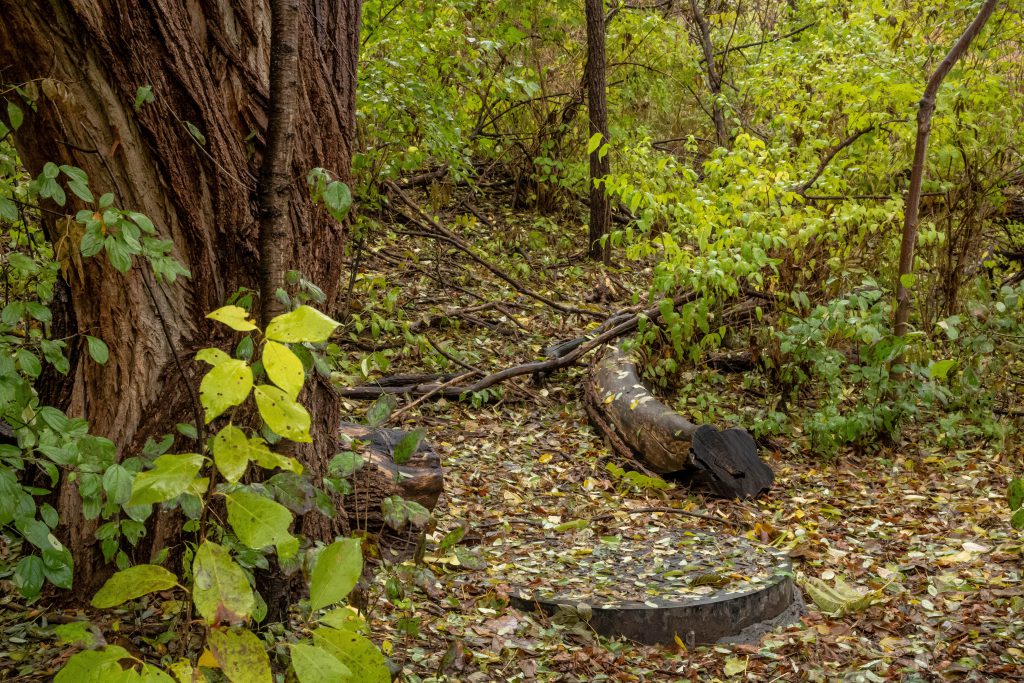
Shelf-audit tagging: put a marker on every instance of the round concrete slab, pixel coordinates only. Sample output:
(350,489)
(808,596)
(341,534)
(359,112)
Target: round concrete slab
(653,585)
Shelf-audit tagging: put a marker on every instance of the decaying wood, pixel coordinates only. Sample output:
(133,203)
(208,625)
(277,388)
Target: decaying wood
(420,479)
(636,423)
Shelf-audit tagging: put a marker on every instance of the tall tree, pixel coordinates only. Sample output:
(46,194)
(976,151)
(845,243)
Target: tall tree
(597,109)
(911,210)
(190,159)
(714,74)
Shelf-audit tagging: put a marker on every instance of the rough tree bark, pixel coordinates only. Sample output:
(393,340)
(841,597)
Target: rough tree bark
(597,108)
(208,64)
(926,109)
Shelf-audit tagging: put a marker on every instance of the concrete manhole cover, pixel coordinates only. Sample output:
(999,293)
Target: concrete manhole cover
(649,584)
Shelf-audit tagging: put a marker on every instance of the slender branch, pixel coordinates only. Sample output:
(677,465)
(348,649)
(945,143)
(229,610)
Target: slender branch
(856,135)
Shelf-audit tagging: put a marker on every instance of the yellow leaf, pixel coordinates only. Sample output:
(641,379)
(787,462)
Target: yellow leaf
(680,643)
(208,660)
(545,458)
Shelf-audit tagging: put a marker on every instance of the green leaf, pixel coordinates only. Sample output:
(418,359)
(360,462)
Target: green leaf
(220,590)
(235,317)
(282,414)
(93,666)
(594,142)
(407,446)
(335,573)
(338,199)
(133,583)
(1015,493)
(117,482)
(241,655)
(79,633)
(940,369)
(315,665)
(231,452)
(170,477)
(97,349)
(357,653)
(28,576)
(304,324)
(14,115)
(144,95)
(213,356)
(283,368)
(256,520)
(381,410)
(1017,521)
(227,384)
(907,280)
(258,452)
(196,134)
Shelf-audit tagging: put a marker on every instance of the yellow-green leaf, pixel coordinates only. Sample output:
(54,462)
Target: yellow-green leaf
(231,452)
(235,317)
(337,569)
(282,414)
(360,655)
(170,477)
(241,655)
(257,520)
(315,665)
(132,583)
(283,368)
(220,589)
(212,356)
(304,324)
(226,385)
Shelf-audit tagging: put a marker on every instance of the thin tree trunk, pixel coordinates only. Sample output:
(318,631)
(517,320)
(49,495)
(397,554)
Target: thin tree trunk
(924,124)
(207,62)
(275,174)
(714,75)
(597,108)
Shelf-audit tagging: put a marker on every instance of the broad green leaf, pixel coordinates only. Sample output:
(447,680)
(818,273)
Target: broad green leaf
(256,520)
(335,573)
(304,324)
(940,369)
(357,653)
(97,349)
(908,280)
(231,452)
(407,446)
(151,674)
(381,410)
(78,633)
(235,317)
(93,666)
(241,655)
(170,477)
(1017,521)
(594,142)
(283,368)
(213,356)
(315,665)
(282,414)
(14,115)
(261,454)
(220,590)
(338,199)
(1015,493)
(28,576)
(839,600)
(224,386)
(133,583)
(117,482)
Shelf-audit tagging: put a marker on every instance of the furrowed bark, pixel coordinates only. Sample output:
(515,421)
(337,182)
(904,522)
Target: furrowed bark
(597,109)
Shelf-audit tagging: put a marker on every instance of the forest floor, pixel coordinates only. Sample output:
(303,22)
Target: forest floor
(925,526)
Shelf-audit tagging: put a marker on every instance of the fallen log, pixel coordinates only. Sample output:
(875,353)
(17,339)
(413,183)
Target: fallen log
(419,479)
(638,425)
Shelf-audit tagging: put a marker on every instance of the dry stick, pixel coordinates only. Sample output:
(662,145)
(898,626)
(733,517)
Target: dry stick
(448,391)
(447,236)
(427,395)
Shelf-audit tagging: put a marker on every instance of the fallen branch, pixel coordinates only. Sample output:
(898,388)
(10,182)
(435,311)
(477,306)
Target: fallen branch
(545,366)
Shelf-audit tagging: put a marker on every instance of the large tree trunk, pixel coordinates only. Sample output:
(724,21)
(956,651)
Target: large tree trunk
(208,63)
(597,108)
